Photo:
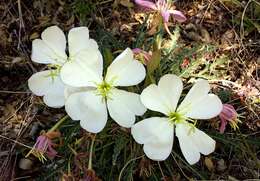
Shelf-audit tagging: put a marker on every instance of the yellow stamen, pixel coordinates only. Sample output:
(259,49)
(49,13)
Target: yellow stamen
(38,154)
(104,90)
(54,71)
(177,118)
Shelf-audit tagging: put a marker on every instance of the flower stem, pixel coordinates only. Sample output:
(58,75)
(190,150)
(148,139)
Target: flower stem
(91,153)
(58,123)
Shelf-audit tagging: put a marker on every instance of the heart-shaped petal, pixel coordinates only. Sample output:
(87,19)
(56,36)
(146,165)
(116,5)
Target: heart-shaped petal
(48,85)
(198,104)
(193,142)
(164,97)
(89,108)
(125,70)
(51,49)
(84,70)
(78,40)
(156,134)
(158,152)
(123,106)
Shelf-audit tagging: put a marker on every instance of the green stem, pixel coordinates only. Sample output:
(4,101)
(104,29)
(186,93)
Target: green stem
(58,123)
(91,153)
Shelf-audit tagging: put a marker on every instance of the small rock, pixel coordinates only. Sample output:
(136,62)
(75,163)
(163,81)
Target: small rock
(25,164)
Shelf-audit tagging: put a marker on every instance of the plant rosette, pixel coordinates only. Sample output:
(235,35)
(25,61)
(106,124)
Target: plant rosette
(51,50)
(157,133)
(90,106)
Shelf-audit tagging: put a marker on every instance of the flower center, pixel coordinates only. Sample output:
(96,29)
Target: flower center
(104,89)
(176,117)
(54,70)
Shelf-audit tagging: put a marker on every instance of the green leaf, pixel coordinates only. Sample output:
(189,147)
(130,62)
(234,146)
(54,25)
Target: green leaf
(152,66)
(108,57)
(155,62)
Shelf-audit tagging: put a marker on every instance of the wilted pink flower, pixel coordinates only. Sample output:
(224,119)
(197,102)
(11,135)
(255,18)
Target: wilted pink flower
(44,146)
(228,115)
(144,56)
(164,8)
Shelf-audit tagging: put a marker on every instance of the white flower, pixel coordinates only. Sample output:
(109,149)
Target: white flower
(51,50)
(157,133)
(90,106)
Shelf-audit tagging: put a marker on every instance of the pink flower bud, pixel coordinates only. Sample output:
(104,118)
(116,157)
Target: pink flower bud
(142,55)
(228,115)
(44,146)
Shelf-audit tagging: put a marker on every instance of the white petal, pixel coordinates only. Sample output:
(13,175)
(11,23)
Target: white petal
(85,70)
(171,87)
(155,130)
(54,99)
(78,39)
(207,107)
(154,100)
(204,142)
(164,97)
(71,90)
(89,108)
(41,83)
(157,136)
(158,152)
(52,88)
(123,106)
(125,70)
(55,39)
(198,90)
(193,142)
(198,104)
(41,53)
(188,149)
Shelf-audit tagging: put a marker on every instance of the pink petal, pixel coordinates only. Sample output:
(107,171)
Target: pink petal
(41,143)
(165,15)
(223,126)
(161,3)
(146,4)
(137,50)
(146,55)
(228,112)
(178,16)
(51,152)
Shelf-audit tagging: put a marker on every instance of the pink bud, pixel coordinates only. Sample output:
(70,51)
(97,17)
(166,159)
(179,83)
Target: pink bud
(139,53)
(227,115)
(45,145)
